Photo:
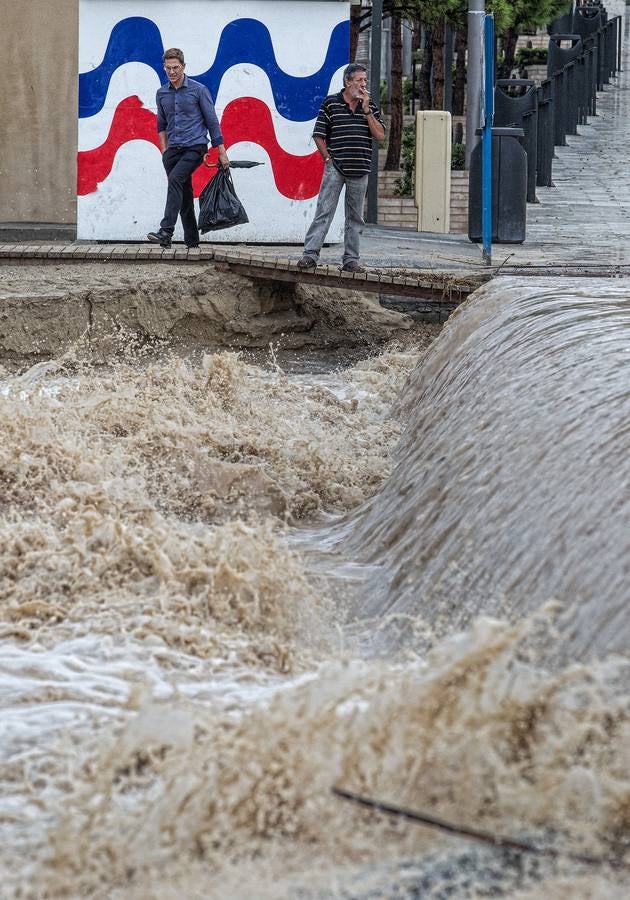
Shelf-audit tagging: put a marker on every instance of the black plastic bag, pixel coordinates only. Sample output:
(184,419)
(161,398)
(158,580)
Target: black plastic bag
(219,207)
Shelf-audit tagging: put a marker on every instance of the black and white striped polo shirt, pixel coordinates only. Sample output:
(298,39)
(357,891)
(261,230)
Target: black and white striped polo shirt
(347,135)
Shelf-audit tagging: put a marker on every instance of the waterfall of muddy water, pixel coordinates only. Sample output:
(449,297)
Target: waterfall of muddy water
(178,691)
(511,484)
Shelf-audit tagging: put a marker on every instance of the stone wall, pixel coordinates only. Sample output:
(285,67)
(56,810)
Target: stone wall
(459,202)
(401,212)
(537,73)
(38,111)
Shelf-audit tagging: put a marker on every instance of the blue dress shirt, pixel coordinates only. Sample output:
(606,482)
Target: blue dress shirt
(187,114)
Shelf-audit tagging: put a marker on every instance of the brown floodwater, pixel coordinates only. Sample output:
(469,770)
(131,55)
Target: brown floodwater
(229,584)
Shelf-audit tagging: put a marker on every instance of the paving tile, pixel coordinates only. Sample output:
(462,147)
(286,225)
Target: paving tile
(584,219)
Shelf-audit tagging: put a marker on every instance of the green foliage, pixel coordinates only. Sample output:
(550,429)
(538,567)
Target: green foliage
(507,13)
(531,56)
(404,184)
(503,14)
(532,13)
(383,96)
(454,12)
(458,156)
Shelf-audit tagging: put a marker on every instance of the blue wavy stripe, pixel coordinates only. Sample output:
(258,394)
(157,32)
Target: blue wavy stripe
(242,42)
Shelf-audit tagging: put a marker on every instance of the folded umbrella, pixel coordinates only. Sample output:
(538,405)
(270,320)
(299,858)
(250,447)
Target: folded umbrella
(234,163)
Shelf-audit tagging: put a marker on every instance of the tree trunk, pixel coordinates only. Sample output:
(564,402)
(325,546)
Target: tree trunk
(509,52)
(355,23)
(416,35)
(416,41)
(394,138)
(425,73)
(459,87)
(438,65)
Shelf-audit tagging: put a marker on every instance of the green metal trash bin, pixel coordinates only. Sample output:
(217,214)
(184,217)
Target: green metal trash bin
(509,188)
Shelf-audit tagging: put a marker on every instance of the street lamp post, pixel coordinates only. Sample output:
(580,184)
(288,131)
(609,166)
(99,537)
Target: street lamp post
(474,74)
(375,87)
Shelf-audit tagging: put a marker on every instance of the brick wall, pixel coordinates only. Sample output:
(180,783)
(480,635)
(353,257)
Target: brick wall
(459,202)
(539,40)
(537,73)
(401,212)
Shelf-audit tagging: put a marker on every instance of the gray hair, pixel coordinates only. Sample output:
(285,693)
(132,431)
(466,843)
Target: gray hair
(350,71)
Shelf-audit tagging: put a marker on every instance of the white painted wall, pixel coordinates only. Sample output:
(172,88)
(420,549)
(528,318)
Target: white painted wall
(129,201)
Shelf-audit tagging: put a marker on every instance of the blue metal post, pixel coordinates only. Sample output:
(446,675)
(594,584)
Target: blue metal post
(486,138)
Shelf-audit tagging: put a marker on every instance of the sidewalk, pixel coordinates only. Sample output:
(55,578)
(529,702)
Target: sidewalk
(580,226)
(584,220)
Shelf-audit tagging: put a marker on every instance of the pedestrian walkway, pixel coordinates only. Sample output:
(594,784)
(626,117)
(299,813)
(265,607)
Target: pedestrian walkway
(581,225)
(584,219)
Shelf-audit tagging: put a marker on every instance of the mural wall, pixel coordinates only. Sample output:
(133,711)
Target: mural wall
(267,63)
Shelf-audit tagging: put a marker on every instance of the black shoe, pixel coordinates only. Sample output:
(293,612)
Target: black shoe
(353,266)
(193,246)
(160,237)
(307,262)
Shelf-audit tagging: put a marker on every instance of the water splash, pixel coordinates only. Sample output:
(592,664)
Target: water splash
(512,480)
(179,694)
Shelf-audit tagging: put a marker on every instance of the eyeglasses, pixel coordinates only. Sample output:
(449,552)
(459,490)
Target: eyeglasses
(173,68)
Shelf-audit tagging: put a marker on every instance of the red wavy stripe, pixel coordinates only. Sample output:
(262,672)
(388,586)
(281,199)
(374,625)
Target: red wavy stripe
(245,119)
(131,121)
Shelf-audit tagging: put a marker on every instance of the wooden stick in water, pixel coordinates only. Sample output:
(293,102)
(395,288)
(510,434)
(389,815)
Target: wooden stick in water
(485,837)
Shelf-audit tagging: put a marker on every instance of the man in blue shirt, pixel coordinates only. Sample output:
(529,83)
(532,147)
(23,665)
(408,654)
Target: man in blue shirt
(185,116)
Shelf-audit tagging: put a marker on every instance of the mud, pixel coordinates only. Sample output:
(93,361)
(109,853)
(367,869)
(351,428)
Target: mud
(45,310)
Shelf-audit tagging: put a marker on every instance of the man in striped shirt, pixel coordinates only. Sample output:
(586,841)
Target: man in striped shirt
(344,130)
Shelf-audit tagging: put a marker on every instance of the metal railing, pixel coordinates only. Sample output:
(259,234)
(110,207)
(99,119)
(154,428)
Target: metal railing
(584,54)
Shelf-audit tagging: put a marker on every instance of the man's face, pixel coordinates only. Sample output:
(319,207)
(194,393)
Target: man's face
(174,70)
(357,86)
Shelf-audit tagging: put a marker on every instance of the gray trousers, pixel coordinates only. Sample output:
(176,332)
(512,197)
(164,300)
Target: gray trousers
(332,183)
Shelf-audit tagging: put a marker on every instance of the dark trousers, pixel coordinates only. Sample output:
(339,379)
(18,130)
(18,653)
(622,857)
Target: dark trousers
(180,163)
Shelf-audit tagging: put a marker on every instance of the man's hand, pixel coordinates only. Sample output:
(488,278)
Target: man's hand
(365,100)
(223,158)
